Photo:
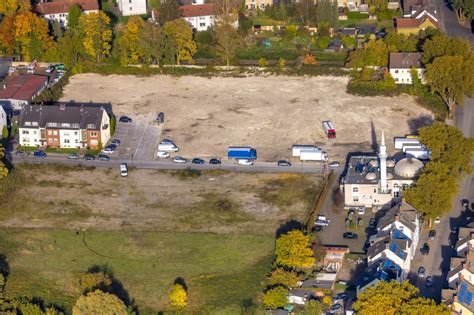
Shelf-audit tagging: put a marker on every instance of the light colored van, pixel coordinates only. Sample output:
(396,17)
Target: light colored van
(168,147)
(245,162)
(123,170)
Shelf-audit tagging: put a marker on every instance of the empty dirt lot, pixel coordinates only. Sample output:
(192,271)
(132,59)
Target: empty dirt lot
(206,115)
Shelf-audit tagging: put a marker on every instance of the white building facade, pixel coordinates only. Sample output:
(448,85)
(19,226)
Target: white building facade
(401,65)
(59,10)
(3,118)
(132,7)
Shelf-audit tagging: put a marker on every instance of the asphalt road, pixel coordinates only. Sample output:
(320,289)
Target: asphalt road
(258,167)
(437,263)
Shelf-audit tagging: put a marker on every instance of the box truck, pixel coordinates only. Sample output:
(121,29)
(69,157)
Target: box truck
(245,153)
(296,149)
(408,146)
(313,155)
(400,141)
(168,147)
(421,154)
(329,130)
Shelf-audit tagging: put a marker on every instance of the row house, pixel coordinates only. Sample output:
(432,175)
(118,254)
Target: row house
(59,10)
(65,125)
(393,247)
(19,89)
(201,17)
(132,7)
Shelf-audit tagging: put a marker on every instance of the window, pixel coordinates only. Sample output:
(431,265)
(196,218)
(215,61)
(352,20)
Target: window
(66,134)
(67,125)
(55,132)
(66,141)
(93,134)
(90,126)
(202,24)
(355,189)
(77,140)
(51,124)
(75,125)
(34,123)
(26,140)
(76,133)
(131,9)
(396,71)
(27,123)
(50,140)
(94,142)
(50,132)
(25,132)
(55,139)
(35,132)
(355,199)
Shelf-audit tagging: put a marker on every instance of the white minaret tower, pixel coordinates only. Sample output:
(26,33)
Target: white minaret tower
(383,166)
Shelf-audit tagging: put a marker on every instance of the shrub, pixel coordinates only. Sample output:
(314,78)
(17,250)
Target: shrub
(262,62)
(323,42)
(309,59)
(276,297)
(281,63)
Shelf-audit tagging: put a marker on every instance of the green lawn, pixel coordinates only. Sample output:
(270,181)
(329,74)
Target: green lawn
(223,272)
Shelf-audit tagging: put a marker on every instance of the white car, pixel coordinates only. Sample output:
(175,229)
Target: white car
(437,220)
(245,162)
(108,151)
(180,159)
(162,154)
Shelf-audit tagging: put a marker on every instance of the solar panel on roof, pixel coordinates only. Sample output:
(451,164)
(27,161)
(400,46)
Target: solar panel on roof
(393,247)
(387,263)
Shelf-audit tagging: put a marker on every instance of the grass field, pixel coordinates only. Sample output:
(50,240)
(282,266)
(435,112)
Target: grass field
(223,273)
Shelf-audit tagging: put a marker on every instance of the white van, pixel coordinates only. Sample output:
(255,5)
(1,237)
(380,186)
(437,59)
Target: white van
(168,147)
(123,170)
(245,162)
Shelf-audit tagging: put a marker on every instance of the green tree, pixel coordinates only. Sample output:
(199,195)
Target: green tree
(276,297)
(57,30)
(129,50)
(91,281)
(401,42)
(178,296)
(374,53)
(464,8)
(96,34)
(228,41)
(99,303)
(421,306)
(384,298)
(313,307)
(443,45)
(451,77)
(5,133)
(70,48)
(283,277)
(182,34)
(3,168)
(168,10)
(326,11)
(74,16)
(293,249)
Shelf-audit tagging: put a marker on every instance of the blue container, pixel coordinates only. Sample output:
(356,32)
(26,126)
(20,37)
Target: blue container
(241,153)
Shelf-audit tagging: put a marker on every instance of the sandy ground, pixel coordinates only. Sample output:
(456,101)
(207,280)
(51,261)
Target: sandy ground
(204,116)
(216,202)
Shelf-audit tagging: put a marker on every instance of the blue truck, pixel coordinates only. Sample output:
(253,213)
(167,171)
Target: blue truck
(242,153)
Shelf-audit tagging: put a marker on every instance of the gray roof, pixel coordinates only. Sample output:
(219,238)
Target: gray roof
(358,167)
(378,247)
(302,293)
(403,212)
(83,114)
(316,283)
(405,60)
(453,272)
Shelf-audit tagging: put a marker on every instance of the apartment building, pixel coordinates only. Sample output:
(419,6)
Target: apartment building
(132,7)
(59,10)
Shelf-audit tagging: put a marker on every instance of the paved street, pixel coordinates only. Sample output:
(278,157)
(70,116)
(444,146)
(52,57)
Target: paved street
(449,21)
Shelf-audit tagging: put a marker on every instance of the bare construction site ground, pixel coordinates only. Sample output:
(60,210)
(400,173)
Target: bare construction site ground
(204,116)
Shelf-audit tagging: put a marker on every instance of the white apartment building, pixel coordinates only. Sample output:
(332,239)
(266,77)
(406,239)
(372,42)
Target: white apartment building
(132,7)
(200,16)
(59,10)
(3,118)
(401,64)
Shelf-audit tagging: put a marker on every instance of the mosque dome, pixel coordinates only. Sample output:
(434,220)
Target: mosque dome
(408,167)
(390,163)
(374,163)
(389,176)
(371,176)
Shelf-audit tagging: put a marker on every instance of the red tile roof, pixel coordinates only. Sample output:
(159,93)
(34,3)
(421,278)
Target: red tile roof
(197,10)
(22,87)
(409,22)
(64,5)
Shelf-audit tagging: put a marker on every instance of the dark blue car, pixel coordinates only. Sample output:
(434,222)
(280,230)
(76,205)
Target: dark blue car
(40,154)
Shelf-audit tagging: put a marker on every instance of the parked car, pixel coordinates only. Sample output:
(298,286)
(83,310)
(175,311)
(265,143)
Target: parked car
(429,281)
(425,249)
(40,154)
(335,308)
(125,119)
(455,230)
(214,161)
(167,141)
(465,203)
(180,159)
(283,163)
(437,220)
(361,210)
(73,156)
(89,157)
(160,118)
(22,153)
(322,220)
(350,235)
(103,157)
(432,234)
(339,297)
(245,162)
(163,154)
(115,141)
(197,161)
(318,228)
(334,164)
(421,271)
(123,170)
(372,223)
(110,149)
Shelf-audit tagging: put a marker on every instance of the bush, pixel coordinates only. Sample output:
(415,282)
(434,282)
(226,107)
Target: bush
(356,15)
(281,63)
(323,42)
(309,59)
(262,62)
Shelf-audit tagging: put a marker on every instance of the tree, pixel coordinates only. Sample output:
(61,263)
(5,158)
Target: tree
(31,35)
(451,77)
(99,303)
(326,11)
(374,53)
(178,296)
(168,10)
(276,297)
(384,298)
(401,42)
(3,168)
(313,307)
(155,47)
(443,45)
(464,8)
(96,34)
(73,16)
(57,30)
(448,146)
(181,33)
(5,133)
(293,250)
(280,276)
(422,305)
(9,7)
(91,281)
(71,48)
(226,10)
(129,50)
(228,41)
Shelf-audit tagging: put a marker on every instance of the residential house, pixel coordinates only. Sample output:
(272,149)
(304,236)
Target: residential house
(59,10)
(375,274)
(334,45)
(460,278)
(300,296)
(334,258)
(200,16)
(412,26)
(323,280)
(257,4)
(132,7)
(411,6)
(393,4)
(3,118)
(20,89)
(401,64)
(424,11)
(348,31)
(65,125)
(465,239)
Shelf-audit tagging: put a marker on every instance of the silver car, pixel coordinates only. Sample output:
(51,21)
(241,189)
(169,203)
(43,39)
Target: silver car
(180,159)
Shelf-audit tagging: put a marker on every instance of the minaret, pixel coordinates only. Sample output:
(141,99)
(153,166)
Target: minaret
(383,166)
